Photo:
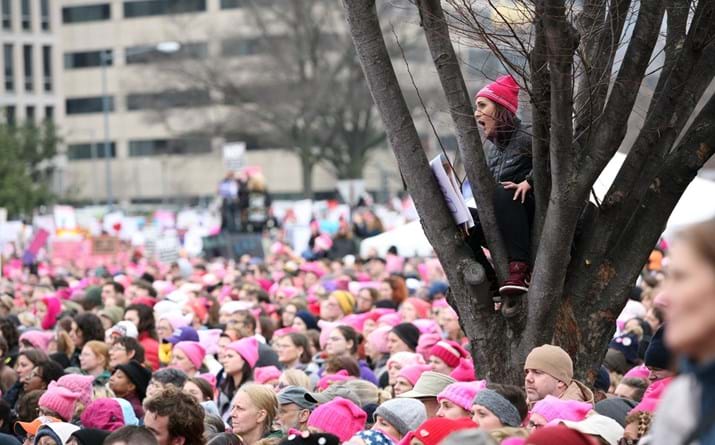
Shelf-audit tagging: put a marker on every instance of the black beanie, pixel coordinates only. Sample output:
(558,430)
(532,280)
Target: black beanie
(658,355)
(138,375)
(90,436)
(408,333)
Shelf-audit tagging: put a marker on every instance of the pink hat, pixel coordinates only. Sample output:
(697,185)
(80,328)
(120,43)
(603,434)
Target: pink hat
(504,91)
(461,393)
(284,331)
(652,395)
(464,372)
(326,327)
(54,307)
(425,343)
(450,352)
(104,414)
(60,400)
(265,374)
(328,379)
(340,417)
(413,372)
(427,326)
(405,358)
(356,321)
(392,319)
(314,268)
(378,339)
(421,306)
(639,372)
(552,408)
(193,351)
(79,384)
(209,378)
(208,339)
(38,339)
(247,348)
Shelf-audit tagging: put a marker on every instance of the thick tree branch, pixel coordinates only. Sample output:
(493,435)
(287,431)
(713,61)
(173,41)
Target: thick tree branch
(469,142)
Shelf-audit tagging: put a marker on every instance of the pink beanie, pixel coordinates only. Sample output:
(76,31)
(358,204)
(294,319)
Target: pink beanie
(356,321)
(464,372)
(79,384)
(652,395)
(413,372)
(449,352)
(504,91)
(247,348)
(461,393)
(60,400)
(425,343)
(209,378)
(405,358)
(328,379)
(378,339)
(421,306)
(38,339)
(265,374)
(552,408)
(340,417)
(639,372)
(392,319)
(193,351)
(427,326)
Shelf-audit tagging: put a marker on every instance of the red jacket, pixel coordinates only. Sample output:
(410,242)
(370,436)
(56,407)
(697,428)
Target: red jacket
(151,350)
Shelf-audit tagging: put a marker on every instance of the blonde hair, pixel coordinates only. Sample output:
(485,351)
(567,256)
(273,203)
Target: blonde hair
(506,432)
(296,377)
(101,392)
(263,398)
(100,349)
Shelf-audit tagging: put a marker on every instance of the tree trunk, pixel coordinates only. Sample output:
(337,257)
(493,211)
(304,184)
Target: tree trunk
(307,166)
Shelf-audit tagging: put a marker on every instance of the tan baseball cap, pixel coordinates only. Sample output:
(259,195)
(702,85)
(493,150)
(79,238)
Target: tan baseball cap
(430,384)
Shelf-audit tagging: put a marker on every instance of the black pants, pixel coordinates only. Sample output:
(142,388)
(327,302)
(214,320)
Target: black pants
(228,216)
(514,220)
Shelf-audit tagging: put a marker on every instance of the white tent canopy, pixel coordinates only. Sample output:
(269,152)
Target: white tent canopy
(695,205)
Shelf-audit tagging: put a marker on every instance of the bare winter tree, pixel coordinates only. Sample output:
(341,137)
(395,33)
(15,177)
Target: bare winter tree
(582,64)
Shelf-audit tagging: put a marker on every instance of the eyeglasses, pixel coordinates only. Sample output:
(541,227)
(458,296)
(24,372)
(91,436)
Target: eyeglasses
(626,441)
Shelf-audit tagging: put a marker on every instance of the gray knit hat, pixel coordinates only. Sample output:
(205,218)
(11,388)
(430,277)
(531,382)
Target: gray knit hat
(404,414)
(505,411)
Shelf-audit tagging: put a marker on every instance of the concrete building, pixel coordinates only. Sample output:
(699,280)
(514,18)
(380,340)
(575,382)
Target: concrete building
(148,162)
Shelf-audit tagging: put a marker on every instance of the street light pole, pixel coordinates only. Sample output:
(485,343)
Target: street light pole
(105,57)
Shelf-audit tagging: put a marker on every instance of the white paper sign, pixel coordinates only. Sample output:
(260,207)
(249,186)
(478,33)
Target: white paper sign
(450,189)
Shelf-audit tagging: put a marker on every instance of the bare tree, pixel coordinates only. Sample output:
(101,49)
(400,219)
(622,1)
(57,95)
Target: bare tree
(582,65)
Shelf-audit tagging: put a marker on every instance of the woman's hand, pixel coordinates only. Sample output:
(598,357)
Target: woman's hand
(521,189)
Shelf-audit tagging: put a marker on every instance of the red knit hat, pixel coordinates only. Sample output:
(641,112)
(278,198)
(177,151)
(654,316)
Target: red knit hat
(450,352)
(504,91)
(433,431)
(558,434)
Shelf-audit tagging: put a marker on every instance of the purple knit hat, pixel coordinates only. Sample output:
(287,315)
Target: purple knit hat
(247,348)
(79,384)
(340,417)
(461,393)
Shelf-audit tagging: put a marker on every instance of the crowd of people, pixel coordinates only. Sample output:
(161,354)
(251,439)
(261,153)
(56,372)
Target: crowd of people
(366,352)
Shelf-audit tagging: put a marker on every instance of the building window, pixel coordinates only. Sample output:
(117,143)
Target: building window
(148,8)
(231,4)
(87,59)
(238,47)
(155,147)
(9,59)
(45,14)
(10,115)
(95,150)
(86,13)
(26,15)
(168,99)
(7,14)
(85,105)
(47,68)
(27,63)
(150,54)
(30,114)
(49,113)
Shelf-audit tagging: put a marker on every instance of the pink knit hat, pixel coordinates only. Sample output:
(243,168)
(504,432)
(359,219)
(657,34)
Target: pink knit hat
(427,326)
(405,358)
(449,352)
(413,372)
(378,339)
(60,400)
(265,374)
(504,91)
(193,351)
(421,306)
(247,348)
(465,371)
(328,379)
(639,372)
(392,319)
(652,395)
(425,343)
(79,384)
(340,417)
(552,408)
(461,393)
(38,339)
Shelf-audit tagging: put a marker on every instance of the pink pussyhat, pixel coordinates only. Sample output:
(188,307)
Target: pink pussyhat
(340,417)
(284,331)
(427,326)
(425,344)
(639,372)
(464,372)
(552,408)
(193,351)
(247,348)
(392,319)
(405,358)
(265,374)
(461,393)
(329,379)
(413,372)
(653,395)
(356,321)
(326,327)
(38,339)
(378,339)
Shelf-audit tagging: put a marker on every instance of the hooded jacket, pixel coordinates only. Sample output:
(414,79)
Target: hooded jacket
(578,391)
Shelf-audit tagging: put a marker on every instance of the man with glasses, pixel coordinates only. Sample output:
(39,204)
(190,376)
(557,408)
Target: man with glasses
(294,409)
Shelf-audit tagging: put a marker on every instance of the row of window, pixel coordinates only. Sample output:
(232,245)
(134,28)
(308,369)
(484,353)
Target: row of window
(28,79)
(141,148)
(140,101)
(10,114)
(26,13)
(143,8)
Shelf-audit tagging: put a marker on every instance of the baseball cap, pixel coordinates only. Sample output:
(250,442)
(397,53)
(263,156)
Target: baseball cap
(30,428)
(124,329)
(187,333)
(332,392)
(598,425)
(295,395)
(430,384)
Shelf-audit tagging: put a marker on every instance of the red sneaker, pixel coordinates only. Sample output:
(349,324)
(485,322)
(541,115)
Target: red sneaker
(518,281)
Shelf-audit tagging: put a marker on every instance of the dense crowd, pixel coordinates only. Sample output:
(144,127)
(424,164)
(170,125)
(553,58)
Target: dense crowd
(365,352)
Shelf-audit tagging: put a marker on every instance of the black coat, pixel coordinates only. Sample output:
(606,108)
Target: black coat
(510,159)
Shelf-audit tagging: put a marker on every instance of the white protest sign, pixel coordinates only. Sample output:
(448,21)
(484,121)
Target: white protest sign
(233,153)
(450,189)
